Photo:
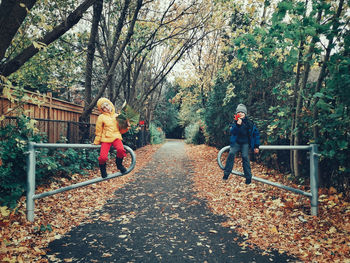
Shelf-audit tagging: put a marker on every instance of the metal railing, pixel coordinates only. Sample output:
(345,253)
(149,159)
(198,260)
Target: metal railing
(313,194)
(31,163)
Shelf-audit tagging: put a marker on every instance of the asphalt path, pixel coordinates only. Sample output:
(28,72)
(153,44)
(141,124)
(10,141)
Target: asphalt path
(157,218)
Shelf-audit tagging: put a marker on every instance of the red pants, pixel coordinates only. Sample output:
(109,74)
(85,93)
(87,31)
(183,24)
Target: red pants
(105,146)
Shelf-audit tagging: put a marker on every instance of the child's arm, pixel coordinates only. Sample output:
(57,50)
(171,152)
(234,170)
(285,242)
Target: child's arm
(234,125)
(98,131)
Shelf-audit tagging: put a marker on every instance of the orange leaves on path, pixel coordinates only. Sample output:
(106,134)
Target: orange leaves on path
(271,218)
(23,241)
(265,216)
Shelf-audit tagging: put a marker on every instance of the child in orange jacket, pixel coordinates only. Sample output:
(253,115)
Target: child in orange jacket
(108,134)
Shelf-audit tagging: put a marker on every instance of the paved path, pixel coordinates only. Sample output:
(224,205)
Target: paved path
(156,218)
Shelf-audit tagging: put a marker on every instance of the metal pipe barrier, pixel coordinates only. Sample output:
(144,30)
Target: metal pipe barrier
(31,163)
(313,194)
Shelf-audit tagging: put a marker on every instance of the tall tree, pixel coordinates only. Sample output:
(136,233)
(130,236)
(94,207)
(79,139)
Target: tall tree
(334,33)
(298,96)
(97,10)
(111,70)
(19,13)
(163,34)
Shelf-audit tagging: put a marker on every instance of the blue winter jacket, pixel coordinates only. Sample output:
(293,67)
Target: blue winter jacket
(254,136)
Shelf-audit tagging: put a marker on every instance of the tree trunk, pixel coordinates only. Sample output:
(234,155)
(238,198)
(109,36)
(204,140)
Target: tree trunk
(12,16)
(111,70)
(322,74)
(109,57)
(294,135)
(303,87)
(85,132)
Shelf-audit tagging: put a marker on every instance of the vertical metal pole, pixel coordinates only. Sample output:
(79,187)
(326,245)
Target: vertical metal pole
(30,181)
(314,179)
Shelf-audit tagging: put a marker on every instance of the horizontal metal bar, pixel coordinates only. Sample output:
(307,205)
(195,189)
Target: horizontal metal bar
(73,186)
(65,145)
(285,147)
(275,184)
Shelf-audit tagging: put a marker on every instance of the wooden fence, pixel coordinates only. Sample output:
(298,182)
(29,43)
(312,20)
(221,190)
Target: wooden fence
(55,118)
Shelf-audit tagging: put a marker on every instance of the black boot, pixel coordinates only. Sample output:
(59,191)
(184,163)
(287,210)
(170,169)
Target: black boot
(225,176)
(103,170)
(119,162)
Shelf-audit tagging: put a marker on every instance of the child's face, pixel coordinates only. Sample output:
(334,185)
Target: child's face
(106,107)
(241,114)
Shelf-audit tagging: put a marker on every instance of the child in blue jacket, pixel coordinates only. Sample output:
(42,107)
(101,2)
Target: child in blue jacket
(244,133)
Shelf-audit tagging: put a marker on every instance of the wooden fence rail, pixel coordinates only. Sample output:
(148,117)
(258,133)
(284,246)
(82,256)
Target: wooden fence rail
(56,118)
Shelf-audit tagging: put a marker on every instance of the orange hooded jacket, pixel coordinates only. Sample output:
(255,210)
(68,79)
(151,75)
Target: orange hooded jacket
(107,128)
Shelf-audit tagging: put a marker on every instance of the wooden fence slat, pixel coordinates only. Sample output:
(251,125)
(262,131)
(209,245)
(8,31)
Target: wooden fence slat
(51,110)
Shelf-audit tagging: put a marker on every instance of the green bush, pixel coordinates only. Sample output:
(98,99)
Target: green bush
(194,133)
(13,144)
(218,117)
(65,162)
(166,113)
(49,162)
(130,138)
(157,134)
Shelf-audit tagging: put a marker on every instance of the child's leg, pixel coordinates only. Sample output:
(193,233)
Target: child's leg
(230,160)
(246,163)
(105,146)
(121,153)
(118,145)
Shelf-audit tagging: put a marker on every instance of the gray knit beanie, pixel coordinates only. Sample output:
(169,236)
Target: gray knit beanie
(241,108)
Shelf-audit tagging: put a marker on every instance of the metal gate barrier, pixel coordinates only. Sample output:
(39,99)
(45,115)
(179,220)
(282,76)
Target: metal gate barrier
(31,163)
(313,194)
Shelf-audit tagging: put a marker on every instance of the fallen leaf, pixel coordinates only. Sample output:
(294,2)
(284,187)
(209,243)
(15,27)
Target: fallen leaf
(5,212)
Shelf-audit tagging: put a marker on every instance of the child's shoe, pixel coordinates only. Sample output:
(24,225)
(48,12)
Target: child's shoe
(225,177)
(103,170)
(120,166)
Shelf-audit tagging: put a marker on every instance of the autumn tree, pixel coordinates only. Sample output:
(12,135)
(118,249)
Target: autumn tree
(162,34)
(116,57)
(278,59)
(179,30)
(198,69)
(38,35)
(308,26)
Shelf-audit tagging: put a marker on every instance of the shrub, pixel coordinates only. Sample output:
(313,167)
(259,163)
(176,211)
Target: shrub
(194,133)
(49,162)
(13,144)
(157,134)
(131,137)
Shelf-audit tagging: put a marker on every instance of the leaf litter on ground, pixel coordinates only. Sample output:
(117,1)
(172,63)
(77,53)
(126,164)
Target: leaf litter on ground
(24,241)
(271,218)
(267,217)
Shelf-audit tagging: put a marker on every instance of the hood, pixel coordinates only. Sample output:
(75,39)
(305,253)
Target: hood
(242,108)
(103,100)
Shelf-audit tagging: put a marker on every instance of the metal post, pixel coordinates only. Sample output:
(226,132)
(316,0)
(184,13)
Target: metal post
(314,179)
(30,181)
